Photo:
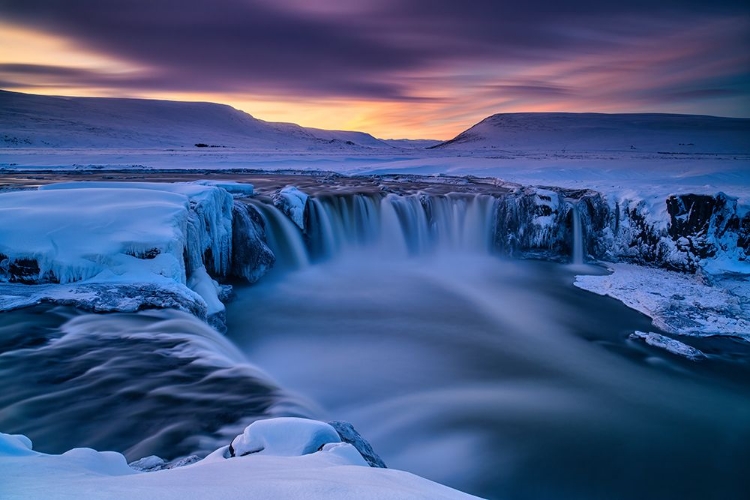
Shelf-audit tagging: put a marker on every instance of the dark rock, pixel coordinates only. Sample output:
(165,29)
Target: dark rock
(251,257)
(349,435)
(24,271)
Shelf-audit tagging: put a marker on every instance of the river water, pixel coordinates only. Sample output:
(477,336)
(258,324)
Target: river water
(497,377)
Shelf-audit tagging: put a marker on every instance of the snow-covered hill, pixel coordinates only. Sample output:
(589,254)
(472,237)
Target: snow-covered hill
(34,121)
(590,132)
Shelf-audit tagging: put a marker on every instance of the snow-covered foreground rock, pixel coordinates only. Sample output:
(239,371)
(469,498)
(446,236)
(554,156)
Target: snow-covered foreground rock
(300,459)
(679,303)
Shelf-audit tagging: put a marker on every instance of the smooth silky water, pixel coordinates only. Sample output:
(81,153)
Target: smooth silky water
(493,376)
(497,377)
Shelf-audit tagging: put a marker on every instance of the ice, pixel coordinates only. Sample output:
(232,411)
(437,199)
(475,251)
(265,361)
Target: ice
(119,225)
(135,233)
(678,303)
(202,284)
(291,201)
(106,297)
(239,189)
(669,344)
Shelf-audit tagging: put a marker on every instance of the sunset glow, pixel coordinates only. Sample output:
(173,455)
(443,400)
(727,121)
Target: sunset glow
(412,69)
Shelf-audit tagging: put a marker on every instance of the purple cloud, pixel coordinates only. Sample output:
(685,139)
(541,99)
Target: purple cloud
(399,50)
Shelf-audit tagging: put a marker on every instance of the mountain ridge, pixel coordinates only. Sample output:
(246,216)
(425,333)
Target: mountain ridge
(651,132)
(30,120)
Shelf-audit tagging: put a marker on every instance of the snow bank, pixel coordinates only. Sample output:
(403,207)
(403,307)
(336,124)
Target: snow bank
(102,233)
(335,471)
(106,297)
(286,436)
(208,234)
(233,187)
(75,236)
(678,303)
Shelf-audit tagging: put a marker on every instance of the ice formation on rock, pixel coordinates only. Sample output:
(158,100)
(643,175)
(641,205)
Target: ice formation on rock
(669,344)
(292,201)
(108,236)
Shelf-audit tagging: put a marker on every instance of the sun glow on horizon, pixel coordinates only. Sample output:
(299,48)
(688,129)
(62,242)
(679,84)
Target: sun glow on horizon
(439,102)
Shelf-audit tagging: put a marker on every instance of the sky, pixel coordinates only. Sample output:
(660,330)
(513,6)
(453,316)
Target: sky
(394,68)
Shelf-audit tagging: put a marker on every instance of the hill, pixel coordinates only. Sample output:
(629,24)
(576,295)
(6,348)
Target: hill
(569,132)
(36,121)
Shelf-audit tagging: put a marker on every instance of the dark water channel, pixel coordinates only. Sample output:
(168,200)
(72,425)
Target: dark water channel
(500,378)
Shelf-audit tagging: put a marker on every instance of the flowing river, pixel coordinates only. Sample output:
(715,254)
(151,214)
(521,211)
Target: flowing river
(494,376)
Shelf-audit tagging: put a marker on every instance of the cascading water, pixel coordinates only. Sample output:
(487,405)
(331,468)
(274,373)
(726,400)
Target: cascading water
(154,382)
(390,226)
(283,237)
(578,243)
(493,376)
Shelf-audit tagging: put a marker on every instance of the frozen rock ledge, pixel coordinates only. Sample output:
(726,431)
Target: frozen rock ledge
(140,239)
(678,303)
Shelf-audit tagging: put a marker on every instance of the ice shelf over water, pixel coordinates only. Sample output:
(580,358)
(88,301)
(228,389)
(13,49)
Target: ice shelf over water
(678,303)
(104,235)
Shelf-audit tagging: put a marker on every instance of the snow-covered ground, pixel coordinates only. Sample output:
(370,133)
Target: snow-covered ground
(62,122)
(679,303)
(297,459)
(636,132)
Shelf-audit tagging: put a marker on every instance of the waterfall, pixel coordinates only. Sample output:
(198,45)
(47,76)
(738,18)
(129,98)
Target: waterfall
(386,226)
(578,245)
(400,226)
(283,237)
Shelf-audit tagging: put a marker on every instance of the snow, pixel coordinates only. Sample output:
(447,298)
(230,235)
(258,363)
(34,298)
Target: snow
(78,122)
(669,344)
(15,445)
(678,303)
(568,132)
(202,284)
(106,297)
(118,225)
(336,471)
(291,201)
(135,233)
(286,436)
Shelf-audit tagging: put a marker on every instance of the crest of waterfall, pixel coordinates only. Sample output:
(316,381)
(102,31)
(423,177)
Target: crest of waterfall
(284,238)
(400,226)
